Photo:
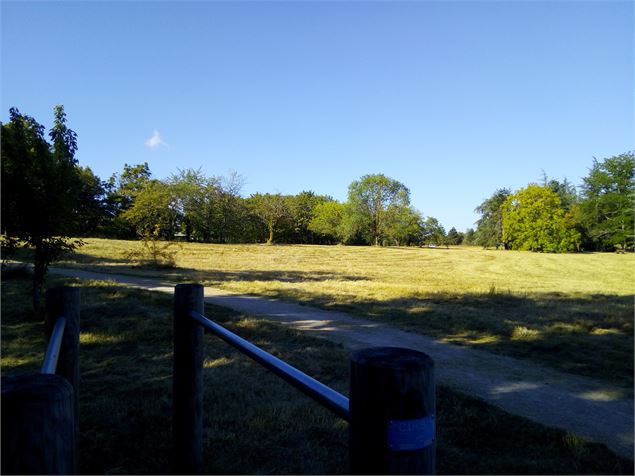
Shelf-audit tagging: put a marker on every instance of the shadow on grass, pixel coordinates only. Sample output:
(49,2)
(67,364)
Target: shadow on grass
(253,422)
(590,335)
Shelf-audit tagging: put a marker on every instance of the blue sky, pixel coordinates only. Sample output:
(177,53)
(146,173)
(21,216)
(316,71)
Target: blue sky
(454,99)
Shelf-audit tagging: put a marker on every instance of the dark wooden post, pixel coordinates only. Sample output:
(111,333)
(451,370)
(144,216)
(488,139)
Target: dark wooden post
(392,405)
(65,301)
(38,429)
(187,391)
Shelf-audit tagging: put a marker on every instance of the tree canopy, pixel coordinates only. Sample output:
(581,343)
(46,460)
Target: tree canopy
(41,190)
(533,219)
(374,201)
(608,200)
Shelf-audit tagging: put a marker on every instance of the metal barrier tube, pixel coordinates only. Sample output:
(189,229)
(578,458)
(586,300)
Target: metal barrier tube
(49,365)
(326,396)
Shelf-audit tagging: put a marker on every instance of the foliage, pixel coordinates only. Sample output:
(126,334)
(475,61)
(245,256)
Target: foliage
(432,232)
(41,191)
(454,237)
(271,209)
(469,237)
(607,209)
(489,230)
(327,220)
(92,209)
(373,201)
(565,190)
(302,210)
(534,220)
(403,225)
(154,205)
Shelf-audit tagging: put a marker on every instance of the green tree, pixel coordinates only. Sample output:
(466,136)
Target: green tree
(403,225)
(40,191)
(327,220)
(372,201)
(193,201)
(156,205)
(533,219)
(607,208)
(454,237)
(489,228)
(432,232)
(565,190)
(121,191)
(302,209)
(92,208)
(272,210)
(469,236)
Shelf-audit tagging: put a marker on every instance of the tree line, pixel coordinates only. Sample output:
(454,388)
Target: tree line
(554,216)
(47,198)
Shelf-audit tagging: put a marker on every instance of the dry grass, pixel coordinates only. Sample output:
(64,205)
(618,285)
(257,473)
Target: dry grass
(571,311)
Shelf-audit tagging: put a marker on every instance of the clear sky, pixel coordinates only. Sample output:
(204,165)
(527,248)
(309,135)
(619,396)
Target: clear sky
(454,99)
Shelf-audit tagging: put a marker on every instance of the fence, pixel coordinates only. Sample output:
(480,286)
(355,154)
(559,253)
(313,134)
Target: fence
(391,410)
(40,411)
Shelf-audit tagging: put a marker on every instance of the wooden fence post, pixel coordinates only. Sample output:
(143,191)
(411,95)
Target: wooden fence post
(65,301)
(38,428)
(187,390)
(392,406)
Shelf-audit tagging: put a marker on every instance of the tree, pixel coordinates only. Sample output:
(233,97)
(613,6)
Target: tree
(271,209)
(454,237)
(121,191)
(566,192)
(156,205)
(327,220)
(489,230)
(193,201)
(432,232)
(403,225)
(40,190)
(302,209)
(92,208)
(233,212)
(469,235)
(533,219)
(372,200)
(607,209)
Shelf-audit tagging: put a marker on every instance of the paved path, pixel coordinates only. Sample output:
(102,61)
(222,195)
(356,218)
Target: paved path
(580,405)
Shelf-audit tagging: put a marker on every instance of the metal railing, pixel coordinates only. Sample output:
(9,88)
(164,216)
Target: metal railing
(49,365)
(324,395)
(391,410)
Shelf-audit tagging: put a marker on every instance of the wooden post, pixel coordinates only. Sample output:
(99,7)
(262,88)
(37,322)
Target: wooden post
(38,434)
(392,405)
(65,301)
(187,391)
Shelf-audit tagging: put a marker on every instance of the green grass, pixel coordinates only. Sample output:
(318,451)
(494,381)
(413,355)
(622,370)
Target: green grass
(254,422)
(572,312)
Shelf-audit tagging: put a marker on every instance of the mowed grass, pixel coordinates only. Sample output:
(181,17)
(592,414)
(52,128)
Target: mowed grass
(573,312)
(254,423)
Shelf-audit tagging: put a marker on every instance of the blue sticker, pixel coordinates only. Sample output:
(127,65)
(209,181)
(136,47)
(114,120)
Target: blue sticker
(411,435)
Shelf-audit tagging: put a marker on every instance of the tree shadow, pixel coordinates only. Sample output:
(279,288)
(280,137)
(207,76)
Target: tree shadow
(590,336)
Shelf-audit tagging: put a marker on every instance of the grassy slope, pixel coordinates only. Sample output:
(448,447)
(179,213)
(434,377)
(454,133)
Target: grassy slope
(254,422)
(573,311)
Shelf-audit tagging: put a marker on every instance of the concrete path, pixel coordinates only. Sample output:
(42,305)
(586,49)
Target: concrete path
(580,405)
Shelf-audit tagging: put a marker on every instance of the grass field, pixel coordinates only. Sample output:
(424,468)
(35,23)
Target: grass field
(254,423)
(573,312)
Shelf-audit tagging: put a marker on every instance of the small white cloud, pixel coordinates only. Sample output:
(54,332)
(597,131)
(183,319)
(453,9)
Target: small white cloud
(155,141)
